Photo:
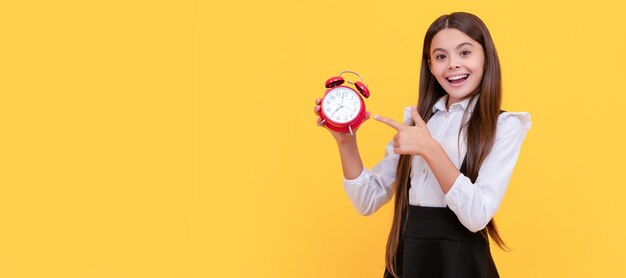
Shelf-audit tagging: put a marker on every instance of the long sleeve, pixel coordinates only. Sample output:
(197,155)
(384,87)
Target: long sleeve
(476,203)
(373,188)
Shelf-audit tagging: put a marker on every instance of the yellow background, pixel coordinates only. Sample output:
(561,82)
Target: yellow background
(177,138)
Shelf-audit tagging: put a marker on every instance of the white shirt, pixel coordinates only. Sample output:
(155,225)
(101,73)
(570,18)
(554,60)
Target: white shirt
(473,203)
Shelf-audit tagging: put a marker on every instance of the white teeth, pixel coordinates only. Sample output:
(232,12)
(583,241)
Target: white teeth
(452,78)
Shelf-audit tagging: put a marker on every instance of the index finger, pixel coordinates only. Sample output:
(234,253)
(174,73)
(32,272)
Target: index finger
(389,122)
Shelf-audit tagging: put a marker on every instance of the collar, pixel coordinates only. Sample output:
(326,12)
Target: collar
(462,105)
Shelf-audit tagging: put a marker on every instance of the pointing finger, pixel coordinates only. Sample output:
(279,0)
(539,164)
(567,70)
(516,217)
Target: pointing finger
(389,122)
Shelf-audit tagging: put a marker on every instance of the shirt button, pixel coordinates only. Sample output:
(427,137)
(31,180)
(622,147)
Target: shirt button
(423,171)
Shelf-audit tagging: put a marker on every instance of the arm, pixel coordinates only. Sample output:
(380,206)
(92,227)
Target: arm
(476,203)
(373,188)
(351,162)
(473,203)
(367,190)
(441,165)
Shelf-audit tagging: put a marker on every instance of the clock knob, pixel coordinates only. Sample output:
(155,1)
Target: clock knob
(362,89)
(334,82)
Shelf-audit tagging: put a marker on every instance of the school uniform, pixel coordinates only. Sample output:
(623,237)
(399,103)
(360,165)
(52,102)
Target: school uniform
(441,235)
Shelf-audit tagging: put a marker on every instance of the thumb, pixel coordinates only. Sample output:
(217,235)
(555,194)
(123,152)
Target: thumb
(416,117)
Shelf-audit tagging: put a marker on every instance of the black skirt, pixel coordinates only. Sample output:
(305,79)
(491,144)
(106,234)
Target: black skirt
(435,244)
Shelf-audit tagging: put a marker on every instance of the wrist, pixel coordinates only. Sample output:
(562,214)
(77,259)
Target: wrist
(345,139)
(432,150)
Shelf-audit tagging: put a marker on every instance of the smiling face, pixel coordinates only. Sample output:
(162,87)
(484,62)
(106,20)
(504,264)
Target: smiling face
(457,62)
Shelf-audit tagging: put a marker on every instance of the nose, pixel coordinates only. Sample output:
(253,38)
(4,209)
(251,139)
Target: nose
(453,64)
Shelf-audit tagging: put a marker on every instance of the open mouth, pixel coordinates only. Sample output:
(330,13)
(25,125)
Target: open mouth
(457,79)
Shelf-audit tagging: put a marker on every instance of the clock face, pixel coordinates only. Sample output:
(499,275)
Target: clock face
(341,105)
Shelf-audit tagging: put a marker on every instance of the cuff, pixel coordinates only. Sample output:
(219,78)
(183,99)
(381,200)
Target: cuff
(361,179)
(461,188)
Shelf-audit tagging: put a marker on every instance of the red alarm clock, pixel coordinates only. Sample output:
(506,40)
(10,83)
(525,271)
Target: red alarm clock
(342,109)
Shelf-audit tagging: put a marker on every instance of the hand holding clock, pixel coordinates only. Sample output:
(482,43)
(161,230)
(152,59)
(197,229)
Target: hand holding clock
(340,137)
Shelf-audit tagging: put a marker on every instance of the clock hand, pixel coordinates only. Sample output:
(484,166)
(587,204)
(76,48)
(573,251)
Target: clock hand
(349,108)
(336,111)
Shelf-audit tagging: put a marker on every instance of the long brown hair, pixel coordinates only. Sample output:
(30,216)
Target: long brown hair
(480,128)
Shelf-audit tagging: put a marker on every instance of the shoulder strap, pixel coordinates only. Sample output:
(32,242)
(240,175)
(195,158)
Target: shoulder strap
(463,169)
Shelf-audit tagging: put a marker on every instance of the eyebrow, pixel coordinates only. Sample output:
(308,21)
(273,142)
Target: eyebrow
(457,47)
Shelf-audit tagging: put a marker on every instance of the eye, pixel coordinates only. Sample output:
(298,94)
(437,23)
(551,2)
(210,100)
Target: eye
(465,53)
(440,56)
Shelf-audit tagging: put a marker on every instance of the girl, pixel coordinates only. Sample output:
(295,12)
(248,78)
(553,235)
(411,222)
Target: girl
(449,164)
